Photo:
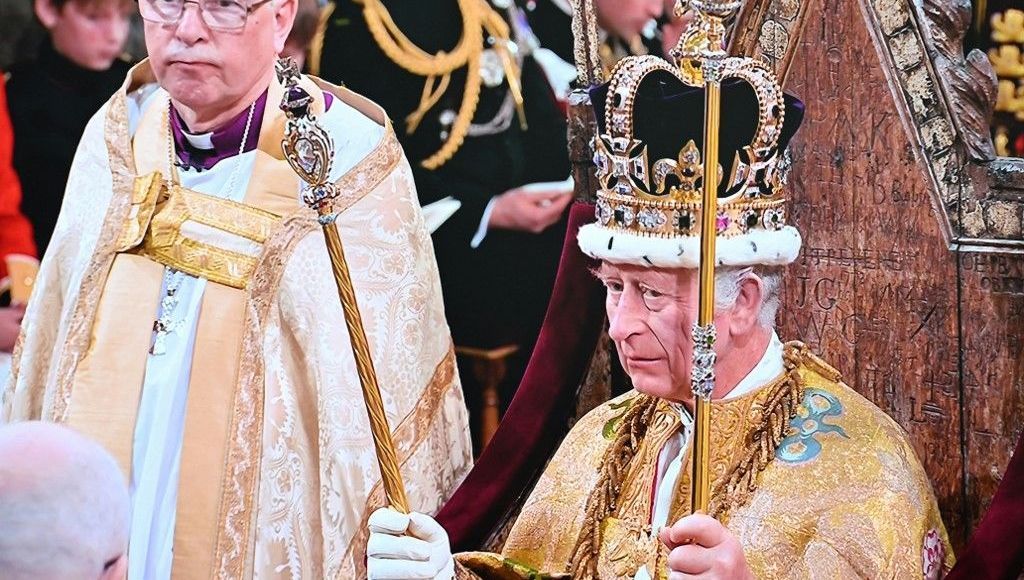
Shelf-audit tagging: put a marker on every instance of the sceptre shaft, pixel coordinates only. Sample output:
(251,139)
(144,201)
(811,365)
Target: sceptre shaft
(309,149)
(712,14)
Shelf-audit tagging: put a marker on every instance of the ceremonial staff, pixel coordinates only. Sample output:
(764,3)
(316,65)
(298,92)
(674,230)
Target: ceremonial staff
(310,151)
(585,44)
(711,15)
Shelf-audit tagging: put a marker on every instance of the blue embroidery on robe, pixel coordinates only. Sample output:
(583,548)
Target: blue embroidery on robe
(802,444)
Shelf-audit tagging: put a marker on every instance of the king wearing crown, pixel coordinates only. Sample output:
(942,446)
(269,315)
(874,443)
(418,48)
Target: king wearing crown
(806,478)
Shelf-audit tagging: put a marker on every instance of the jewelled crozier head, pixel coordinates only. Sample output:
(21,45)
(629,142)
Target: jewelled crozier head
(649,165)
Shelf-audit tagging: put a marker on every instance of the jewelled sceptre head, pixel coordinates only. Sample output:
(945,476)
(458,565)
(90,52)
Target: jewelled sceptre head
(309,150)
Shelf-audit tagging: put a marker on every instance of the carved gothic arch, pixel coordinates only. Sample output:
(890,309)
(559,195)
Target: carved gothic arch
(947,102)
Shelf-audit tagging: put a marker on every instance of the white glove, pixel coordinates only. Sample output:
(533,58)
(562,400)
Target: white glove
(406,547)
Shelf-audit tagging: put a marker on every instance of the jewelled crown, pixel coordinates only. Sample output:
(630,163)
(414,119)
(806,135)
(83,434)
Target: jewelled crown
(648,154)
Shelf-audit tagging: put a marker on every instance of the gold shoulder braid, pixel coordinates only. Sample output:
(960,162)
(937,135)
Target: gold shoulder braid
(477,17)
(603,499)
(732,490)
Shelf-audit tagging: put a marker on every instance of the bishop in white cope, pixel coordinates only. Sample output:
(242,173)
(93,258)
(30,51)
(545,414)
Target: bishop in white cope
(186,316)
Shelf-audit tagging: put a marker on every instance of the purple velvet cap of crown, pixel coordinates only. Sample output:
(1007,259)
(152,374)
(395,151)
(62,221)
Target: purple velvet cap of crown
(667,114)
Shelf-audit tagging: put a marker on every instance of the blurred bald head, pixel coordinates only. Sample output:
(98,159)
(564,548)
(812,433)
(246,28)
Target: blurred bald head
(64,505)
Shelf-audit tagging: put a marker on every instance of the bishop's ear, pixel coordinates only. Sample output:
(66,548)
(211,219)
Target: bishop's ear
(284,18)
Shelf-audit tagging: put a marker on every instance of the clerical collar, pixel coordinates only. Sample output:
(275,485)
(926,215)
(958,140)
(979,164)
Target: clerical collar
(201,151)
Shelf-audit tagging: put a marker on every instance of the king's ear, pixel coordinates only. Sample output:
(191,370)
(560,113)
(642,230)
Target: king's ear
(747,307)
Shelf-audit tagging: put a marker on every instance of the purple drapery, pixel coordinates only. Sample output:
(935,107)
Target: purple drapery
(996,549)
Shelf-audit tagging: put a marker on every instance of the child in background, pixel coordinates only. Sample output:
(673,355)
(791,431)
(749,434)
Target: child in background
(52,97)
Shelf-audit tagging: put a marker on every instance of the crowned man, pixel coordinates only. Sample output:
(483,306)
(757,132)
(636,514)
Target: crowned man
(808,478)
(186,315)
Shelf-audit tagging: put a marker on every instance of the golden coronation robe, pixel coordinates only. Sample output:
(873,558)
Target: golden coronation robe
(278,471)
(841,496)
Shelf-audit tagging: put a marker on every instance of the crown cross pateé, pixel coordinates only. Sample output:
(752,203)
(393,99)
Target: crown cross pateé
(619,161)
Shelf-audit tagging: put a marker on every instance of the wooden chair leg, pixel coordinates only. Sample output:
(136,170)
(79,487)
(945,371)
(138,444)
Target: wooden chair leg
(489,368)
(490,373)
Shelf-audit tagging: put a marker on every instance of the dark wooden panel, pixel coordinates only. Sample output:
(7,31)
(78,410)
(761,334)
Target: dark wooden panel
(992,326)
(875,290)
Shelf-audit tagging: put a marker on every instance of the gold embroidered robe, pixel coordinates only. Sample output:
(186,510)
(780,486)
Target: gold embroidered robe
(278,471)
(844,495)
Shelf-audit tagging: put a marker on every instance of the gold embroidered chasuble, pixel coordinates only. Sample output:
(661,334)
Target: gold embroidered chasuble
(843,495)
(278,472)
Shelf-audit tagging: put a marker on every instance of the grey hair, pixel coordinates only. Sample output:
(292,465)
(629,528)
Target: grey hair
(727,289)
(63,516)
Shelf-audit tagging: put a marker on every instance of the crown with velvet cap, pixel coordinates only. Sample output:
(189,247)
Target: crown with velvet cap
(648,156)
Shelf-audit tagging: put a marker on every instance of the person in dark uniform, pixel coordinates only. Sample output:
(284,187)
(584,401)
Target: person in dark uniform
(52,97)
(500,156)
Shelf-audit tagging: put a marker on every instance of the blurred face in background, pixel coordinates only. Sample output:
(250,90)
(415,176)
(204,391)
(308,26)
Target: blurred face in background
(89,33)
(307,19)
(627,18)
(673,25)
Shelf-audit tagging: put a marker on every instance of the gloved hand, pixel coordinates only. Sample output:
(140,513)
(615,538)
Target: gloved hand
(403,547)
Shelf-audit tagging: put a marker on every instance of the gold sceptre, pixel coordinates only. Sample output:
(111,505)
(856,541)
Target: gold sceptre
(711,15)
(309,149)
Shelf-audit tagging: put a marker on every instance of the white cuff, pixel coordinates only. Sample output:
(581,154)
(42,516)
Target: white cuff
(481,231)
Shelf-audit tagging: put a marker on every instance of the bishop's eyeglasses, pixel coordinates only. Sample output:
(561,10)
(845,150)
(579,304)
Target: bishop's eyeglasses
(217,14)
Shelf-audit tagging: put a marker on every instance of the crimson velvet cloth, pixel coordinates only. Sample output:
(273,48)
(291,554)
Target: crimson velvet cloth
(996,549)
(537,418)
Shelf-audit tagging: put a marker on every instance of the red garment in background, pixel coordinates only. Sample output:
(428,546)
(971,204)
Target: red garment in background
(996,549)
(538,417)
(15,229)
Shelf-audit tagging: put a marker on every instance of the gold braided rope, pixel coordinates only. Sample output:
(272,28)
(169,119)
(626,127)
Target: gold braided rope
(734,491)
(477,17)
(730,493)
(602,500)
(397,46)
